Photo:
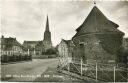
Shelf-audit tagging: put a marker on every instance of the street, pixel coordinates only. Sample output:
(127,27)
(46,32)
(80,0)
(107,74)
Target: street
(26,71)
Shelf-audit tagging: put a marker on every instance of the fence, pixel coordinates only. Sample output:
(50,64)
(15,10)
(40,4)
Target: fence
(98,71)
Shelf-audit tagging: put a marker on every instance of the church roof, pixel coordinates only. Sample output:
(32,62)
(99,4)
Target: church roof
(96,21)
(38,45)
(30,42)
(10,41)
(67,42)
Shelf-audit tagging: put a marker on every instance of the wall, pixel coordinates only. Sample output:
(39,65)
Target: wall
(100,47)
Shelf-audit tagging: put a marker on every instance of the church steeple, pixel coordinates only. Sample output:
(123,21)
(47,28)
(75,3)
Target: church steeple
(47,24)
(47,36)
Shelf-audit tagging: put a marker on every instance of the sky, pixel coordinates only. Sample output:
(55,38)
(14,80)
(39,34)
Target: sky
(26,19)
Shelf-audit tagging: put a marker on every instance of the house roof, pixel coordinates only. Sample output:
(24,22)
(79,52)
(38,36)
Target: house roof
(9,42)
(68,42)
(96,21)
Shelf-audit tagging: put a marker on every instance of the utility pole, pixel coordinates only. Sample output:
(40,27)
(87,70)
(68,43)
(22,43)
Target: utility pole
(114,73)
(81,66)
(96,71)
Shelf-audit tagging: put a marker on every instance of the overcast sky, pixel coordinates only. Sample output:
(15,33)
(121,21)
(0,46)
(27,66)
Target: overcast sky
(26,19)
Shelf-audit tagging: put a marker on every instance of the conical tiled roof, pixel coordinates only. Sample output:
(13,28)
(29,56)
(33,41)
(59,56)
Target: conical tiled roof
(96,21)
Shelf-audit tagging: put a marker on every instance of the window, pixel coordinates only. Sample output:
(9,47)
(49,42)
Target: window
(2,52)
(3,46)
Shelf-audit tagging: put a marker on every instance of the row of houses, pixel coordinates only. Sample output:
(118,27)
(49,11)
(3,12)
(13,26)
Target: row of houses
(97,40)
(10,46)
(12,50)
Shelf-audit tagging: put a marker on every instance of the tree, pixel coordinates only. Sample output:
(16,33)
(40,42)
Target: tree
(51,51)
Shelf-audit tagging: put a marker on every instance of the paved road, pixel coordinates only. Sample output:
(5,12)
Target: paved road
(27,71)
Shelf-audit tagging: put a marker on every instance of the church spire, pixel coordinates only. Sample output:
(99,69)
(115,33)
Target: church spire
(47,24)
(47,43)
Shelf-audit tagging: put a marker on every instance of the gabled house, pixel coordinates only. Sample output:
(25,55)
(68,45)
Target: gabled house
(65,51)
(10,46)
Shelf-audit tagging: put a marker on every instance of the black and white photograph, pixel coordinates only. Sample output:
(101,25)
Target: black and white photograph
(64,41)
